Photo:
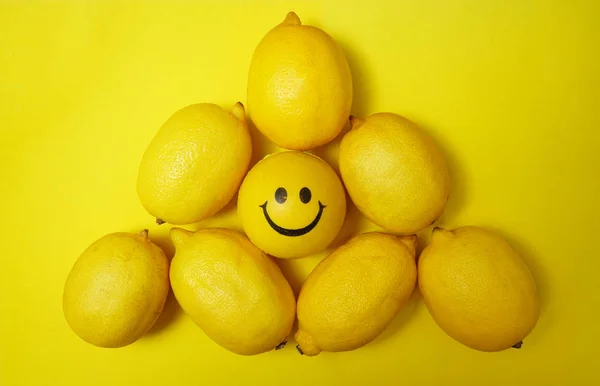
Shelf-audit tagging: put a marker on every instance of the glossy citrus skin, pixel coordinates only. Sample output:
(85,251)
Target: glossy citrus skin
(195,163)
(292,173)
(394,172)
(355,292)
(478,289)
(299,86)
(232,290)
(116,289)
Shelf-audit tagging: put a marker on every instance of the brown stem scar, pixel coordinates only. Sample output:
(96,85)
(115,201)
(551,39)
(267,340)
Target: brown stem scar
(281,345)
(518,345)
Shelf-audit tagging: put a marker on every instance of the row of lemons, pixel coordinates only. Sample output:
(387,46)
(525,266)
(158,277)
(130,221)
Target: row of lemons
(292,204)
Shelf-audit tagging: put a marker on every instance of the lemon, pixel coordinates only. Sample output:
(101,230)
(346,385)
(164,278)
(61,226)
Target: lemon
(299,86)
(355,292)
(232,290)
(292,204)
(116,289)
(195,163)
(394,172)
(478,289)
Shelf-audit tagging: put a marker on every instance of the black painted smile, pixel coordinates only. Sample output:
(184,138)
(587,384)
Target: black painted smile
(293,232)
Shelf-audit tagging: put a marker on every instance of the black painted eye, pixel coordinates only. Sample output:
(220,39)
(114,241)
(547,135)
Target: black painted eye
(305,195)
(281,195)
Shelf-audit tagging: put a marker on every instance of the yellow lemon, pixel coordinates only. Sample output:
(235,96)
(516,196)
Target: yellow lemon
(116,289)
(232,290)
(478,289)
(355,292)
(292,204)
(394,172)
(299,86)
(195,163)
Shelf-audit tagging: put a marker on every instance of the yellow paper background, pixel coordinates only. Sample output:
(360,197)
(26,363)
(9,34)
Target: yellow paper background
(509,89)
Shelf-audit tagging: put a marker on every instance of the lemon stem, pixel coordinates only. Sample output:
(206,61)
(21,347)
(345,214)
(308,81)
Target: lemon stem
(281,345)
(355,121)
(160,221)
(292,19)
(144,234)
(518,345)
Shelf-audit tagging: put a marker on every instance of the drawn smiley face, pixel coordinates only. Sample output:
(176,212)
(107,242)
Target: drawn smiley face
(281,197)
(292,204)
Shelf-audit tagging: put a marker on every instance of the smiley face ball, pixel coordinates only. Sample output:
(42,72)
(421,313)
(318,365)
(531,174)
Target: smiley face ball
(292,204)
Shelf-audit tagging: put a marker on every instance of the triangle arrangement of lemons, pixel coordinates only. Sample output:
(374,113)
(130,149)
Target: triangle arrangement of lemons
(291,204)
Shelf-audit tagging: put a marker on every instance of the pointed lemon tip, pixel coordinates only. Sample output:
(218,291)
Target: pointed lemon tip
(292,19)
(239,111)
(179,236)
(306,345)
(355,121)
(143,234)
(410,242)
(438,232)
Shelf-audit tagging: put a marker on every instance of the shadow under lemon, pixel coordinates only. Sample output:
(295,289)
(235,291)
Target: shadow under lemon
(225,218)
(171,312)
(261,145)
(362,95)
(459,188)
(295,272)
(361,104)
